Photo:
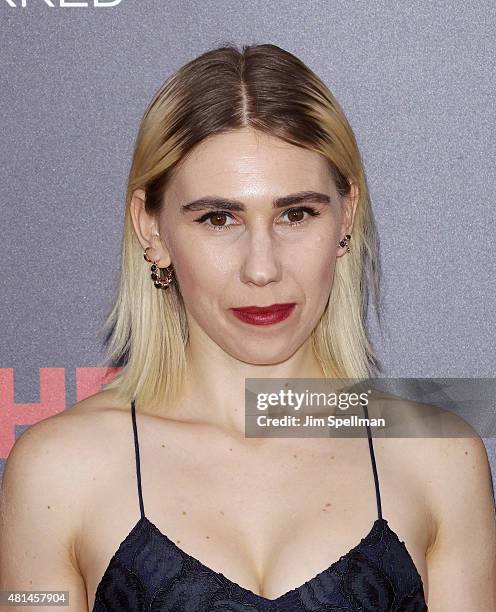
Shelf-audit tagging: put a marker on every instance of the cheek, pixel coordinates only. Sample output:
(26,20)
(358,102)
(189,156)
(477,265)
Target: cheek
(317,264)
(201,274)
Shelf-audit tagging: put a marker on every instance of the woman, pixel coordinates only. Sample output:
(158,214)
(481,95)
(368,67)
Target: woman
(246,191)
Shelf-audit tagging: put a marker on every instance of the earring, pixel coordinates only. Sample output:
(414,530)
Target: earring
(344,242)
(160,282)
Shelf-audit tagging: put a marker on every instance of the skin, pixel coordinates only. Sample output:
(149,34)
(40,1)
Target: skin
(249,508)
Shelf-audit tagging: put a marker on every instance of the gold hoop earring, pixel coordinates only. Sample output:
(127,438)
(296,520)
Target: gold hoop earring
(160,281)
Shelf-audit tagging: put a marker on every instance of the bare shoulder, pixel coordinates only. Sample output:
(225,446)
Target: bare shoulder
(407,418)
(445,454)
(44,492)
(445,441)
(105,401)
(54,455)
(63,437)
(449,462)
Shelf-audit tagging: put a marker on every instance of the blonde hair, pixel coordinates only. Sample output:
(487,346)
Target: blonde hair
(268,89)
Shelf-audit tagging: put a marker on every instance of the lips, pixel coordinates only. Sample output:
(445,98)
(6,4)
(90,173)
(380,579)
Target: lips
(264,315)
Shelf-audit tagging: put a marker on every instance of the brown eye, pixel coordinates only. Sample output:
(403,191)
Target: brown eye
(218,217)
(216,220)
(295,215)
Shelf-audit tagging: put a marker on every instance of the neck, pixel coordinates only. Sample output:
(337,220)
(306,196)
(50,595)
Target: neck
(214,387)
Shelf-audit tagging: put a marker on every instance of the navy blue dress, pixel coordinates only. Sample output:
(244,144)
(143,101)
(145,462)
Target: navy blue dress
(149,572)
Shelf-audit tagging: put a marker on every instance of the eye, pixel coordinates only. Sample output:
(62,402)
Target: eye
(216,216)
(295,214)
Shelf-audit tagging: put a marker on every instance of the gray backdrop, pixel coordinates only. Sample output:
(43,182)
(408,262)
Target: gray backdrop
(416,80)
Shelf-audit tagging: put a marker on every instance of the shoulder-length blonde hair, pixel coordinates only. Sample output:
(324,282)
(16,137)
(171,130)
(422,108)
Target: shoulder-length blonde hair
(268,89)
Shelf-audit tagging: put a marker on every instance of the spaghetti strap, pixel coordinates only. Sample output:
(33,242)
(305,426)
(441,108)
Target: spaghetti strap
(374,467)
(136,450)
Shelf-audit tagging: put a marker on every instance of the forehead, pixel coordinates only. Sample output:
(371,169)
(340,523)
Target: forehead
(246,162)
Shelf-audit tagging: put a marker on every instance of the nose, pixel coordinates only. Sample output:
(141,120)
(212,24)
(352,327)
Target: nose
(260,264)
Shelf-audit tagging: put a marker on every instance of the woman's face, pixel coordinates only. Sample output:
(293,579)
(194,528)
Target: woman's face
(245,251)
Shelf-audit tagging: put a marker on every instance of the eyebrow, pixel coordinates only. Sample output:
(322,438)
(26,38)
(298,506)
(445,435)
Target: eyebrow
(216,203)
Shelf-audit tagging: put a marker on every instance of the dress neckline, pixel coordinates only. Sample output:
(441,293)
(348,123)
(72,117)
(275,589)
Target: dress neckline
(379,529)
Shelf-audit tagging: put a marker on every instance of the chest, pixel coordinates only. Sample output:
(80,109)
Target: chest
(267,520)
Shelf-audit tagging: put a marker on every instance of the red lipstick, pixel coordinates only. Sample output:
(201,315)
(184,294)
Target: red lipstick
(264,315)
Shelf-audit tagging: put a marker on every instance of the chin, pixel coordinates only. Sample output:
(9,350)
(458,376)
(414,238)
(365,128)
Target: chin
(260,357)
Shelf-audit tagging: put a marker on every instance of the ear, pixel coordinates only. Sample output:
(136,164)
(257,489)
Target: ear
(349,206)
(146,228)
